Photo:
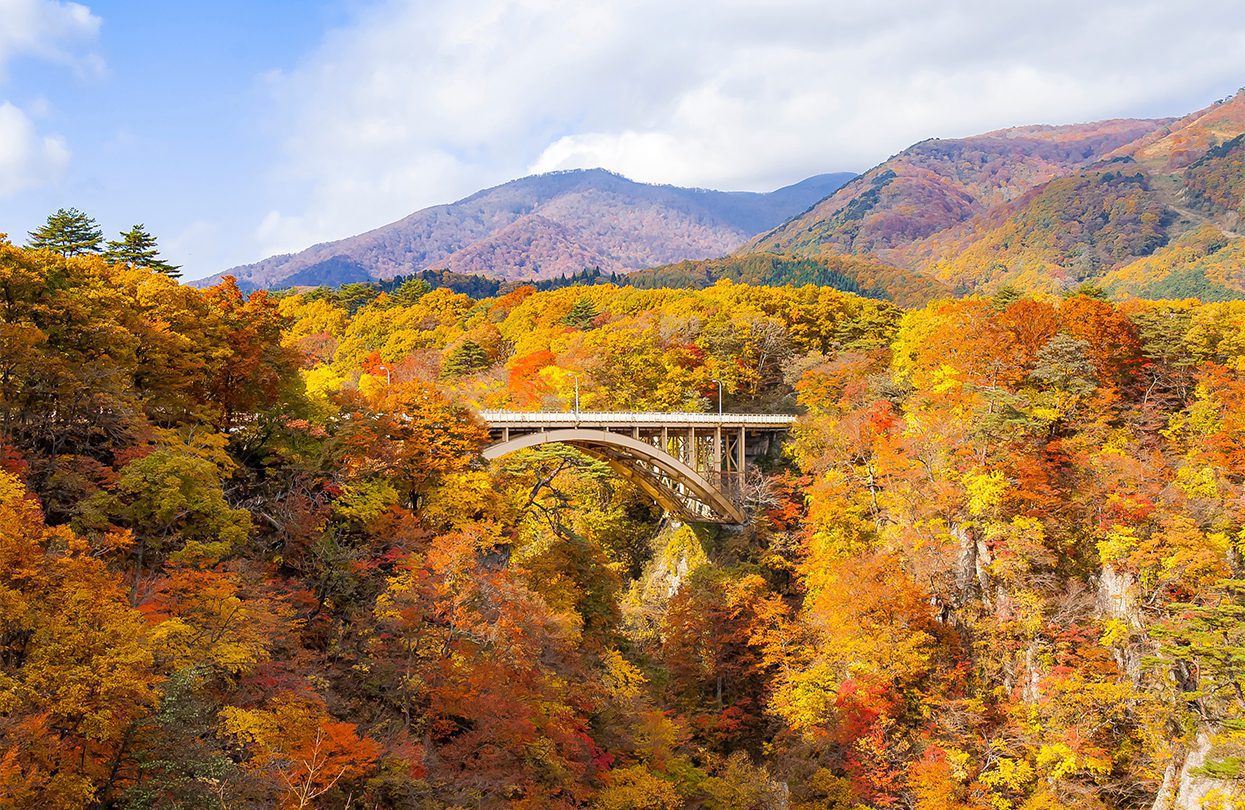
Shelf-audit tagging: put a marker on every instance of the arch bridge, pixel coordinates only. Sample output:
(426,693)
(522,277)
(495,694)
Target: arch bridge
(693,464)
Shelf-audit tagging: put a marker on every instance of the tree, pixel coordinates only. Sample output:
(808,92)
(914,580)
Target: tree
(255,370)
(1063,363)
(174,505)
(410,291)
(467,358)
(75,671)
(581,314)
(68,232)
(138,247)
(300,747)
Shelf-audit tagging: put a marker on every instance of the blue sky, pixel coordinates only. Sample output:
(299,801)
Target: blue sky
(237,129)
(162,111)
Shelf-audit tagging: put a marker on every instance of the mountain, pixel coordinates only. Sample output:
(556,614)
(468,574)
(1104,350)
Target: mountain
(1162,205)
(1143,207)
(937,184)
(546,226)
(854,274)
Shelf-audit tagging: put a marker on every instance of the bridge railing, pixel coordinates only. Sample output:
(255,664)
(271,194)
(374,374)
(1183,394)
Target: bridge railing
(635,418)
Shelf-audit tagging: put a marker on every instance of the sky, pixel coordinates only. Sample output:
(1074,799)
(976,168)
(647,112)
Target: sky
(236,129)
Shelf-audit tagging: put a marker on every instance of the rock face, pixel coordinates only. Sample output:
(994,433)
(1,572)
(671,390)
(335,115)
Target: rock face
(547,226)
(1184,789)
(1117,599)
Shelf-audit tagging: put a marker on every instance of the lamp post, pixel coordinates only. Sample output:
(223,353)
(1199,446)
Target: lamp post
(576,376)
(719,382)
(388,376)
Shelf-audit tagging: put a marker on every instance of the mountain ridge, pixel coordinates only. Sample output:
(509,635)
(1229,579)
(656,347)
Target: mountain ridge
(547,225)
(1044,209)
(936,184)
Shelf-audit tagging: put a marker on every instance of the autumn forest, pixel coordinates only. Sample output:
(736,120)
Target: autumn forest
(252,556)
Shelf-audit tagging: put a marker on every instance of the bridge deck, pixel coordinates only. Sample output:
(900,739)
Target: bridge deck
(626,419)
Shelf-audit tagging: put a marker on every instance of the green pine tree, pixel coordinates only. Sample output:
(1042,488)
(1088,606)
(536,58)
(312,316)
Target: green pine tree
(581,314)
(410,291)
(68,232)
(1063,363)
(138,247)
(1088,289)
(1005,297)
(467,357)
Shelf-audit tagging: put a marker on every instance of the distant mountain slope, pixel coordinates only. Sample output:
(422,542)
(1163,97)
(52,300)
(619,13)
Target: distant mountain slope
(1099,223)
(549,225)
(1204,263)
(1070,230)
(938,184)
(853,274)
(1046,208)
(1185,140)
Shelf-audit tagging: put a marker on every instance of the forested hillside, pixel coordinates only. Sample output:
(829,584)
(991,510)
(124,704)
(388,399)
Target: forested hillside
(937,184)
(1048,208)
(250,555)
(846,273)
(545,226)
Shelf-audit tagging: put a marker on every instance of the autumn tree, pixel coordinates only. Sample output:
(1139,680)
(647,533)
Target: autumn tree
(75,670)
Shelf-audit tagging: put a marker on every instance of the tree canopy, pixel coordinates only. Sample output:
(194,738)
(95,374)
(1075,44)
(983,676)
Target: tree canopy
(251,555)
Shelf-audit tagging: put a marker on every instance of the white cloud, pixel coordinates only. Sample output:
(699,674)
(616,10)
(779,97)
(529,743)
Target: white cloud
(49,30)
(27,159)
(417,103)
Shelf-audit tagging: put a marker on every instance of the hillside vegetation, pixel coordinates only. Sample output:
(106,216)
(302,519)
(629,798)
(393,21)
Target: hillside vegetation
(852,274)
(250,555)
(1044,209)
(937,184)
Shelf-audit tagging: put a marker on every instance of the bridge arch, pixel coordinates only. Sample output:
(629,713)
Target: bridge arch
(677,487)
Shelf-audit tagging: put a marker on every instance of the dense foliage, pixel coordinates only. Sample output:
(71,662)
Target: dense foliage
(852,274)
(1203,263)
(250,555)
(1072,229)
(1217,179)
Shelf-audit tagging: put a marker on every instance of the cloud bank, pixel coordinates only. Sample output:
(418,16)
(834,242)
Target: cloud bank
(48,30)
(27,159)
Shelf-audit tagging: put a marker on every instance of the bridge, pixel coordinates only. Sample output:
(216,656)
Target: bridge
(693,464)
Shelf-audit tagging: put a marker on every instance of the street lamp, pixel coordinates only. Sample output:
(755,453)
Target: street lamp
(719,382)
(576,376)
(388,376)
